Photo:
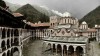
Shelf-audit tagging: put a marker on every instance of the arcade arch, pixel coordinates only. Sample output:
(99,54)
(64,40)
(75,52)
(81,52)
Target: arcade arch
(3,33)
(4,54)
(8,33)
(59,49)
(71,50)
(3,45)
(16,32)
(8,43)
(66,50)
(8,53)
(79,51)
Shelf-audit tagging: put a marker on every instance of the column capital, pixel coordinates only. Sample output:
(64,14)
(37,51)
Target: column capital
(74,48)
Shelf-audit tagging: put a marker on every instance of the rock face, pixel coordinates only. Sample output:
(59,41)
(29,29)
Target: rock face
(32,14)
(93,17)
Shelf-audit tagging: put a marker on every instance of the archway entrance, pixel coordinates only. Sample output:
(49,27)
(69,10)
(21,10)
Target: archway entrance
(65,50)
(54,49)
(71,51)
(15,52)
(79,51)
(8,53)
(4,54)
(3,46)
(59,49)
(12,52)
(49,47)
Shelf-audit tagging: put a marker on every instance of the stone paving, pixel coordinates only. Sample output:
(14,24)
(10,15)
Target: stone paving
(36,49)
(94,49)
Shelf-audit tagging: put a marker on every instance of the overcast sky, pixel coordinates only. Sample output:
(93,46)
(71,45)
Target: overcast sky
(77,8)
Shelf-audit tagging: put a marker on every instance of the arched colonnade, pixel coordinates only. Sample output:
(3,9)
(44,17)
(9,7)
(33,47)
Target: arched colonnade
(65,49)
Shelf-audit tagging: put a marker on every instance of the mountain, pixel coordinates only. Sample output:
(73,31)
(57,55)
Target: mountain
(44,10)
(92,17)
(32,14)
(13,7)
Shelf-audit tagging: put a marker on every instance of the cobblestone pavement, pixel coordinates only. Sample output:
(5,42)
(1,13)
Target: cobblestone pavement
(36,49)
(94,49)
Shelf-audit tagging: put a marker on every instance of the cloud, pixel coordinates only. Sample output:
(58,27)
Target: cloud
(44,7)
(56,12)
(78,8)
(65,14)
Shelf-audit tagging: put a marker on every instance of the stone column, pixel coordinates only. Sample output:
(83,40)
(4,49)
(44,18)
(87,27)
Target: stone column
(6,29)
(74,50)
(67,50)
(19,37)
(56,49)
(10,37)
(0,36)
(84,52)
(62,51)
(51,48)
(6,37)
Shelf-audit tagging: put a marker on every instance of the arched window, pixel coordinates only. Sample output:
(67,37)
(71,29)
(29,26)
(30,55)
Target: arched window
(8,43)
(51,24)
(8,33)
(3,33)
(16,42)
(16,33)
(68,20)
(3,45)
(12,33)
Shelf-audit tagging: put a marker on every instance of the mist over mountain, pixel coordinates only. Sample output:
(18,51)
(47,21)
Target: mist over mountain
(78,8)
(13,7)
(31,14)
(44,10)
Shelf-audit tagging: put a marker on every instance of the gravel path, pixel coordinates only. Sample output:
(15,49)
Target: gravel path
(36,49)
(94,49)
(33,49)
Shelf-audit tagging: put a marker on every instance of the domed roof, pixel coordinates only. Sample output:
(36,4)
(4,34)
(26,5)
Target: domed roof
(84,22)
(66,14)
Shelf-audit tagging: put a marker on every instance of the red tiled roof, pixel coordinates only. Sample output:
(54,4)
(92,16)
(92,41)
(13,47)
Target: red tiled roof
(41,24)
(91,30)
(17,14)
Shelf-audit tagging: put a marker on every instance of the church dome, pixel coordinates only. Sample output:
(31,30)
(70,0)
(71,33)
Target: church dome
(84,22)
(66,14)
